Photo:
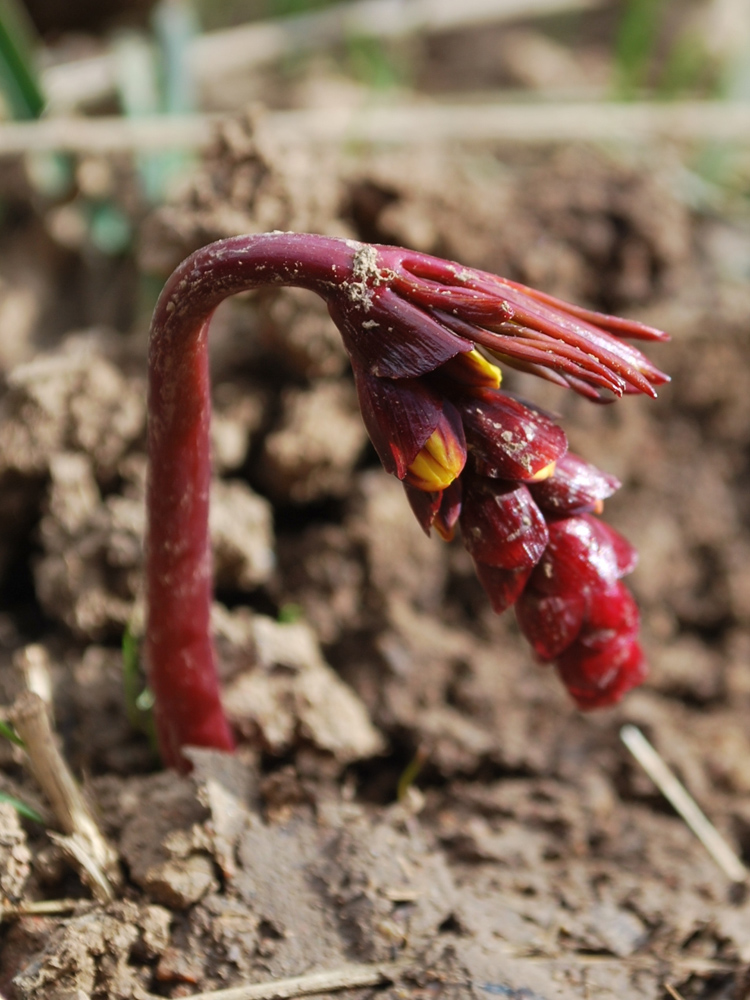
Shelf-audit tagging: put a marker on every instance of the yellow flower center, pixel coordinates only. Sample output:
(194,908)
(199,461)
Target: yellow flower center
(438,463)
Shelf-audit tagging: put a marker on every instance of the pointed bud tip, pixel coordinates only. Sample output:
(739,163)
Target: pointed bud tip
(545,473)
(440,460)
(446,532)
(473,370)
(430,473)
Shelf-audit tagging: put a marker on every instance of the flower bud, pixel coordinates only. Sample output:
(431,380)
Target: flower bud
(438,510)
(574,487)
(449,511)
(550,622)
(424,505)
(501,525)
(611,613)
(584,554)
(502,586)
(400,415)
(599,678)
(508,440)
(442,457)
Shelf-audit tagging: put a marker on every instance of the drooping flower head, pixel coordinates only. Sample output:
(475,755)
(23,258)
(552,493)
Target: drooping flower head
(420,333)
(423,335)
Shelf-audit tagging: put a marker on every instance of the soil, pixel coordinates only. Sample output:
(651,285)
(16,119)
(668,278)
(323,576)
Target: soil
(529,856)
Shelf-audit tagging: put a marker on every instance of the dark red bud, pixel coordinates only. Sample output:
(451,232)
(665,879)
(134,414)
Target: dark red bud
(599,678)
(574,487)
(449,511)
(439,510)
(508,440)
(400,415)
(501,525)
(611,613)
(440,460)
(503,586)
(424,505)
(583,554)
(550,623)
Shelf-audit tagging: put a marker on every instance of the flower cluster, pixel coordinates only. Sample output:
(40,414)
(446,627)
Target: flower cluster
(420,333)
(474,457)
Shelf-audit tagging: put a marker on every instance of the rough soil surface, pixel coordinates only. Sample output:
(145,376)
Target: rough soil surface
(531,858)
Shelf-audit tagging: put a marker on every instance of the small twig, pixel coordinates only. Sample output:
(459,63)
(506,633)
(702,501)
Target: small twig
(107,135)
(41,908)
(34,664)
(675,792)
(31,721)
(83,841)
(629,124)
(675,994)
(79,851)
(343,978)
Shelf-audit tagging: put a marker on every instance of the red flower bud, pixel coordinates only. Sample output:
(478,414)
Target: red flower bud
(583,553)
(574,487)
(508,440)
(610,613)
(550,622)
(400,415)
(441,459)
(574,595)
(449,511)
(501,525)
(438,510)
(503,586)
(424,505)
(599,678)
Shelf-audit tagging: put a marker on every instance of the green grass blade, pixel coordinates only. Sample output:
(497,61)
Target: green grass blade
(21,808)
(18,74)
(9,733)
(139,700)
(410,773)
(635,43)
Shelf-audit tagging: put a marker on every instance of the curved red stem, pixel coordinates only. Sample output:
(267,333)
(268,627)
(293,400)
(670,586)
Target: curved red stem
(179,651)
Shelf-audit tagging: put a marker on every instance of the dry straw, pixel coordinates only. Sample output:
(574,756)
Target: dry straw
(675,792)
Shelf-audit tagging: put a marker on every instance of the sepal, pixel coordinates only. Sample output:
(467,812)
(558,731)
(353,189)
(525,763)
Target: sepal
(501,525)
(508,440)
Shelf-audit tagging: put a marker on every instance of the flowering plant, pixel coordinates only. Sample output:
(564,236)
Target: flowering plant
(420,333)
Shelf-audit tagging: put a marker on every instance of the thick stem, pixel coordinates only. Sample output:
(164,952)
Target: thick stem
(179,650)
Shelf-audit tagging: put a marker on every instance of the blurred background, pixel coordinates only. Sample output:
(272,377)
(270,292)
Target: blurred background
(107,107)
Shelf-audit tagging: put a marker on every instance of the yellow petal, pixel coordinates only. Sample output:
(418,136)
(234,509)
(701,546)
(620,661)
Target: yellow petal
(438,463)
(544,473)
(473,369)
